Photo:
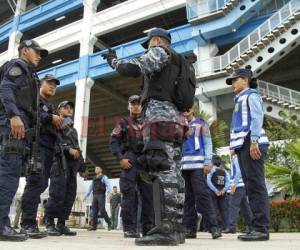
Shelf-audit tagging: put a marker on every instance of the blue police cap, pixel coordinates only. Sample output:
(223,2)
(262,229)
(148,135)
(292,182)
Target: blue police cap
(157,32)
(50,77)
(34,45)
(134,98)
(65,103)
(247,73)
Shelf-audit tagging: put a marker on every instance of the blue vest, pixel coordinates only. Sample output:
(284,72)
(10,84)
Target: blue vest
(241,119)
(193,148)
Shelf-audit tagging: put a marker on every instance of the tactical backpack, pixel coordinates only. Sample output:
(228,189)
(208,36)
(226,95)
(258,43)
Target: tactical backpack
(185,85)
(2,68)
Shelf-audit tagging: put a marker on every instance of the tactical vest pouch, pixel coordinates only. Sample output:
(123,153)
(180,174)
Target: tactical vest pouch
(24,100)
(155,156)
(56,169)
(11,145)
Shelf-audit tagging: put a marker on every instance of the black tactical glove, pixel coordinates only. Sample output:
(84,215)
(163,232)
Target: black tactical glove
(109,56)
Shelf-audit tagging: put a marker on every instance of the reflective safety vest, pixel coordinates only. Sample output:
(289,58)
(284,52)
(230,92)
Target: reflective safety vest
(193,152)
(241,119)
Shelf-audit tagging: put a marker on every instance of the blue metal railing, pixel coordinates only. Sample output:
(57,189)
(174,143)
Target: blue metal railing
(5,30)
(39,15)
(47,11)
(198,8)
(68,73)
(219,63)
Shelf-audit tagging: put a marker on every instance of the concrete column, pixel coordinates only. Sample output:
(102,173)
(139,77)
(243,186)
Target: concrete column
(15,36)
(83,91)
(84,84)
(205,54)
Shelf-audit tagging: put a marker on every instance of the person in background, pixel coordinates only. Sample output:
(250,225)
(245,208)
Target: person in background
(115,201)
(99,186)
(238,198)
(218,181)
(195,164)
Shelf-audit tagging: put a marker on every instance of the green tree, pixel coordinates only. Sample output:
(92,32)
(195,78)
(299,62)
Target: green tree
(217,128)
(286,177)
(282,166)
(287,129)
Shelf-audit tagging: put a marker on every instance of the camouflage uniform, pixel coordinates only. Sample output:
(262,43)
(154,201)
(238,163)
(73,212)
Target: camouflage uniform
(163,151)
(172,196)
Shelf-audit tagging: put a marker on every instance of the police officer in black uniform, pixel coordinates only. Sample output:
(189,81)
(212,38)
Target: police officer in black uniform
(18,105)
(127,144)
(36,184)
(68,161)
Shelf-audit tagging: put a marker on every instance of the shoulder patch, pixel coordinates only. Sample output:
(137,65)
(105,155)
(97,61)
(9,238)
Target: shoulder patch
(15,71)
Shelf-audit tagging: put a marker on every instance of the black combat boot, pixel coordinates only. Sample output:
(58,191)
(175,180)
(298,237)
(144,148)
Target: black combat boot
(215,232)
(180,231)
(63,229)
(50,227)
(254,236)
(9,234)
(191,233)
(159,236)
(109,226)
(33,232)
(146,229)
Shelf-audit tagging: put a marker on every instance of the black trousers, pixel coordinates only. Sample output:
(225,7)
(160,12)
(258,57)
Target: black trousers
(35,186)
(238,201)
(197,199)
(254,178)
(98,205)
(62,194)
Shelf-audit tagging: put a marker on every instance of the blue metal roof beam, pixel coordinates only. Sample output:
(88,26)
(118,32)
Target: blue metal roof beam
(47,11)
(232,21)
(38,15)
(95,67)
(5,30)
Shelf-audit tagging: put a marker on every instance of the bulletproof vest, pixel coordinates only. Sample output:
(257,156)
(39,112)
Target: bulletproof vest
(98,186)
(133,140)
(48,133)
(218,178)
(70,137)
(26,95)
(161,85)
(115,200)
(47,108)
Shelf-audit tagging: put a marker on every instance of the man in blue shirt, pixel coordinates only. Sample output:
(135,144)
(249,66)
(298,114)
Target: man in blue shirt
(99,186)
(196,158)
(218,182)
(250,143)
(238,198)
